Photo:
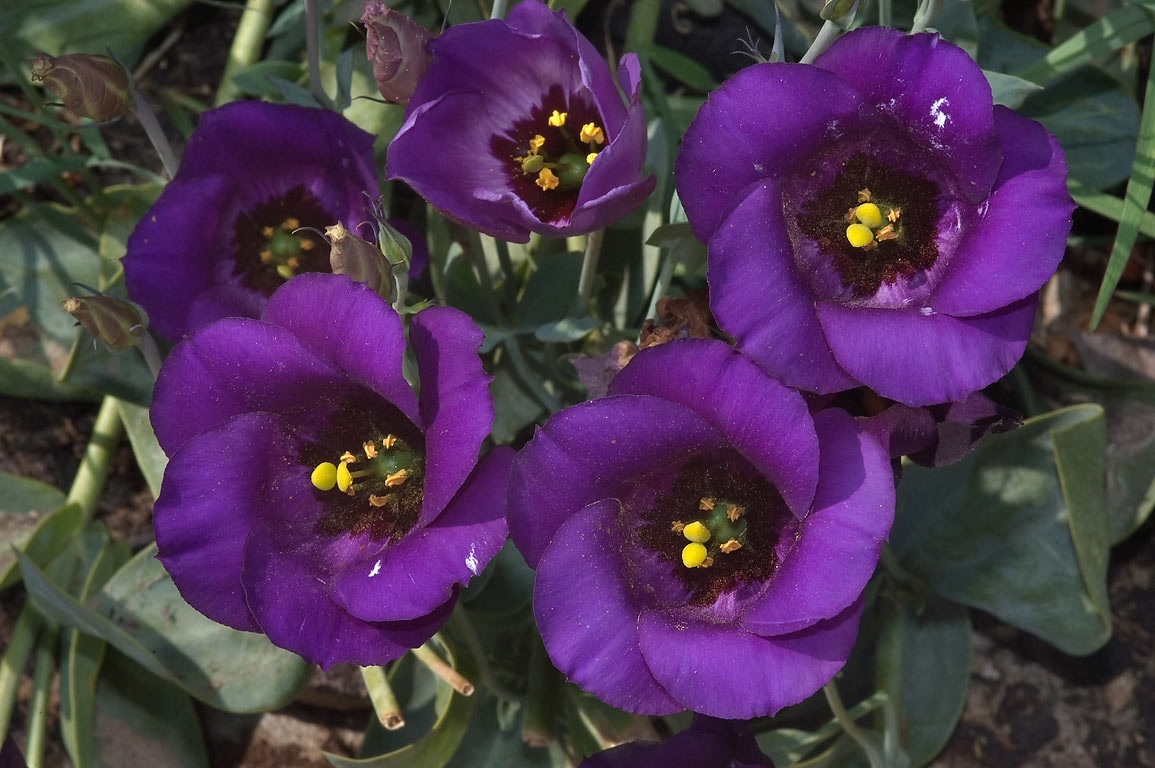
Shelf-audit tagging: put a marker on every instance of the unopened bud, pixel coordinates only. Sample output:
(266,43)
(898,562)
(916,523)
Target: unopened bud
(359,259)
(116,322)
(395,44)
(90,86)
(836,9)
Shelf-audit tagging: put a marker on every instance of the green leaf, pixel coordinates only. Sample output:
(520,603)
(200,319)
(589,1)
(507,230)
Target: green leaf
(1135,201)
(1093,43)
(515,407)
(149,456)
(1008,90)
(567,330)
(1108,205)
(682,68)
(257,79)
(924,662)
(142,720)
(550,290)
(1018,528)
(48,539)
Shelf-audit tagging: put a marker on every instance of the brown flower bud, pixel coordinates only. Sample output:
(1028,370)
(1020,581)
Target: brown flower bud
(395,44)
(117,323)
(91,86)
(359,259)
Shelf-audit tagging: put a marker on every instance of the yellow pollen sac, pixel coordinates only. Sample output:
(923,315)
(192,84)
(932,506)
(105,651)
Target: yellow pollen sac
(536,143)
(291,223)
(547,180)
(557,119)
(677,527)
(730,546)
(886,233)
(693,555)
(706,504)
(388,441)
(370,450)
(592,134)
(734,511)
(378,501)
(864,195)
(869,214)
(893,215)
(267,232)
(859,235)
(696,532)
(347,458)
(266,256)
(324,477)
(591,157)
(344,479)
(397,478)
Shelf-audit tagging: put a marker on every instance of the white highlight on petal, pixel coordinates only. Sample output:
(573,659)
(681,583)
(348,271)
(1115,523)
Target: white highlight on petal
(471,561)
(936,112)
(376,569)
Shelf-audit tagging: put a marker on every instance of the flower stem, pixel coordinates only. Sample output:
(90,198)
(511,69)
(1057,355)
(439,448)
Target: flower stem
(542,698)
(313,52)
(150,353)
(446,673)
(38,708)
(590,265)
(499,9)
(848,725)
(662,284)
(831,31)
(384,701)
(147,119)
(925,16)
(20,645)
(93,471)
(247,45)
(463,628)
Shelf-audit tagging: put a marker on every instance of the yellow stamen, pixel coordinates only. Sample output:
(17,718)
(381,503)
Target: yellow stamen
(370,450)
(291,223)
(730,546)
(693,555)
(307,245)
(344,479)
(557,119)
(886,233)
(734,512)
(864,195)
(378,501)
(859,235)
(388,441)
(677,526)
(869,214)
(590,158)
(347,458)
(893,215)
(592,134)
(267,232)
(546,180)
(397,478)
(324,476)
(266,256)
(536,143)
(696,532)
(706,504)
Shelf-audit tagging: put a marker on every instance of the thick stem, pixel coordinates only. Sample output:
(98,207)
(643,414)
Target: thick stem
(851,727)
(147,119)
(20,645)
(541,701)
(38,708)
(463,628)
(384,701)
(831,31)
(94,467)
(499,9)
(446,673)
(313,52)
(590,265)
(248,43)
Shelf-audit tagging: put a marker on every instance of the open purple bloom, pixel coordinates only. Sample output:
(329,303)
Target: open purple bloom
(517,127)
(220,238)
(873,219)
(707,743)
(701,542)
(309,494)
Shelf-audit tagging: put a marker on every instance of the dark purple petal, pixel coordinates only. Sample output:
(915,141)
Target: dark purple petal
(1019,233)
(725,671)
(207,506)
(411,577)
(456,410)
(759,298)
(837,548)
(766,121)
(233,367)
(361,334)
(594,451)
(775,435)
(587,618)
(931,89)
(922,359)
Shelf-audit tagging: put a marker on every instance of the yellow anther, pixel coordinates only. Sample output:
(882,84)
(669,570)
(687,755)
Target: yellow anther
(397,478)
(677,526)
(268,231)
(591,157)
(291,223)
(557,119)
(869,214)
(893,215)
(886,233)
(388,441)
(536,143)
(734,511)
(324,476)
(859,235)
(730,546)
(307,245)
(864,195)
(546,180)
(378,501)
(344,478)
(266,256)
(370,450)
(285,271)
(696,532)
(592,134)
(706,504)
(347,458)
(693,555)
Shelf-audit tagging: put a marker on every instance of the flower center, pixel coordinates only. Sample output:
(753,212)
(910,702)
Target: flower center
(568,170)
(868,225)
(718,526)
(384,479)
(270,245)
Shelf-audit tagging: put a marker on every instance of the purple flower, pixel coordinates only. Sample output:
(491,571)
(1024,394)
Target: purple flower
(701,542)
(309,494)
(517,127)
(220,239)
(707,743)
(873,220)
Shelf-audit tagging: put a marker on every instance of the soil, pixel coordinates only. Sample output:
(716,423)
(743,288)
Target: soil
(1028,704)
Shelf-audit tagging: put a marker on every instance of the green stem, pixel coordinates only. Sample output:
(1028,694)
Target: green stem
(94,467)
(661,285)
(848,725)
(147,119)
(247,45)
(427,656)
(20,645)
(38,708)
(313,52)
(463,627)
(926,14)
(643,26)
(831,31)
(499,8)
(384,701)
(545,682)
(589,271)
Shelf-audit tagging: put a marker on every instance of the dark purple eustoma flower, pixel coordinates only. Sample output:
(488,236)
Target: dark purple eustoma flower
(517,127)
(873,220)
(223,235)
(701,542)
(309,494)
(707,743)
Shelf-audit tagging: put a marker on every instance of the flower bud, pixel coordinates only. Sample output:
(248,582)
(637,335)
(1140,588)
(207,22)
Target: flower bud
(396,46)
(359,259)
(91,86)
(116,322)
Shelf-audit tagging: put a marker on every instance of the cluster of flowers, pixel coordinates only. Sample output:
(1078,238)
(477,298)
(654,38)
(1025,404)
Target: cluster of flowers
(702,535)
